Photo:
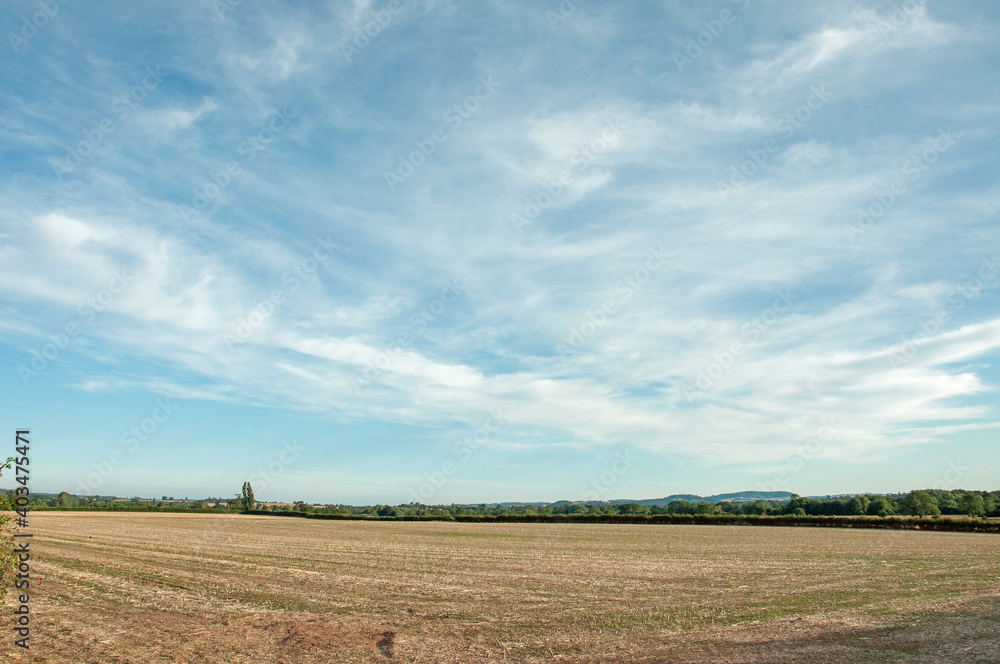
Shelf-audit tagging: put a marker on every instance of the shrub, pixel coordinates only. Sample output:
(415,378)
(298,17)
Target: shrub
(8,559)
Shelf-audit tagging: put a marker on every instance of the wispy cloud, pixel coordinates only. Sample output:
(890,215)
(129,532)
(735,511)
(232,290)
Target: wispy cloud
(544,205)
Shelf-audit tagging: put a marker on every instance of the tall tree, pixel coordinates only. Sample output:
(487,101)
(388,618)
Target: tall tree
(67,500)
(247,499)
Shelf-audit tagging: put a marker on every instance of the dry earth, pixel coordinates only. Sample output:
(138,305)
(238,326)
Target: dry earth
(143,588)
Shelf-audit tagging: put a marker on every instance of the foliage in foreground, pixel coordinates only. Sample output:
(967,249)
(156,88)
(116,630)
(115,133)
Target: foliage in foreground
(883,523)
(8,559)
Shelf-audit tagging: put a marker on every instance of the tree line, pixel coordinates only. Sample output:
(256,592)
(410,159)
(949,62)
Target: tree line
(920,503)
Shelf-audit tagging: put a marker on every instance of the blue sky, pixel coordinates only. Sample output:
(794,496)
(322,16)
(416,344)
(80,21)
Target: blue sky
(470,252)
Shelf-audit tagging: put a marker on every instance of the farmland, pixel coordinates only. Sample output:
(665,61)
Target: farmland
(134,587)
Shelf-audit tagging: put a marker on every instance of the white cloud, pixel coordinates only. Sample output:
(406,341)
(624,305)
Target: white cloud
(652,184)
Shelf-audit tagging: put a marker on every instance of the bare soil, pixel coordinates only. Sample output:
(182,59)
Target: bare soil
(143,588)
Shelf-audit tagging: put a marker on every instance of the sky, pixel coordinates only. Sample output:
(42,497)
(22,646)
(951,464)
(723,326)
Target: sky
(382,252)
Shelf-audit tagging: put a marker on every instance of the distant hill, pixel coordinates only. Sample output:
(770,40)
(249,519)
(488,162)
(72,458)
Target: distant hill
(737,497)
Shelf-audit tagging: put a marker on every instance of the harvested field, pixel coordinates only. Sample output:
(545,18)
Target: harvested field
(204,588)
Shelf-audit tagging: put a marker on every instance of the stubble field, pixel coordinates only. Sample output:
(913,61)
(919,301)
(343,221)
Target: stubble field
(148,588)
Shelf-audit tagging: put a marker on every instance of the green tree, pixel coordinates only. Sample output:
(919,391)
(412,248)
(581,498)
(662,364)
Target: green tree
(972,504)
(948,504)
(880,506)
(247,498)
(632,508)
(66,500)
(797,502)
(756,507)
(705,509)
(680,507)
(920,504)
(858,505)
